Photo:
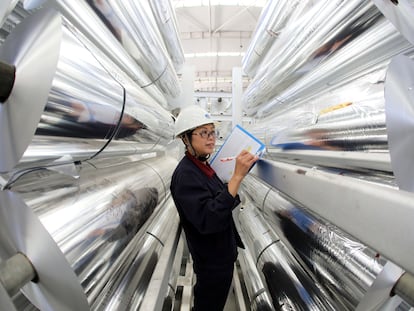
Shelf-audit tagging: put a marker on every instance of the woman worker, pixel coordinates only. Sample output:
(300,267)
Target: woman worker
(205,206)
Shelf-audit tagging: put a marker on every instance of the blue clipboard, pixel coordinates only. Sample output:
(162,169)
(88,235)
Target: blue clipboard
(238,139)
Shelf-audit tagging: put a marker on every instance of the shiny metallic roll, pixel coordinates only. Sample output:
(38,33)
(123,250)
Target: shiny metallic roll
(5,300)
(80,14)
(272,20)
(371,52)
(341,129)
(6,7)
(347,267)
(28,88)
(80,104)
(169,272)
(400,13)
(290,286)
(22,303)
(166,20)
(327,28)
(11,20)
(94,217)
(399,108)
(56,286)
(129,22)
(136,264)
(353,127)
(256,289)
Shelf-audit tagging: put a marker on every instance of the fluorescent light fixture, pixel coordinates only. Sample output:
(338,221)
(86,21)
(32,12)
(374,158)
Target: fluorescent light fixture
(214,54)
(195,3)
(227,79)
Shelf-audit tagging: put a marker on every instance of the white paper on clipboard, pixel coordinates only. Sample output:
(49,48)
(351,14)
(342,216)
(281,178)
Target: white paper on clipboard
(238,140)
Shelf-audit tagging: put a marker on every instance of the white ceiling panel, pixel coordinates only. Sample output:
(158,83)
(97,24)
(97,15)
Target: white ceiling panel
(215,38)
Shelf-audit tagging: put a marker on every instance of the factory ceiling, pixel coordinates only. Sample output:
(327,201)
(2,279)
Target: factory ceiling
(215,34)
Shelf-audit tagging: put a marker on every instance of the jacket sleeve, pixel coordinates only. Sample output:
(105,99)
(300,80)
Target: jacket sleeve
(207,211)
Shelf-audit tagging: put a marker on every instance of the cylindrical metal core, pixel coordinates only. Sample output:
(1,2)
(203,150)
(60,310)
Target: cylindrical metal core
(8,75)
(15,272)
(405,288)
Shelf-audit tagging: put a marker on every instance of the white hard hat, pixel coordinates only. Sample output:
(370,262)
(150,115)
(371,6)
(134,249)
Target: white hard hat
(190,118)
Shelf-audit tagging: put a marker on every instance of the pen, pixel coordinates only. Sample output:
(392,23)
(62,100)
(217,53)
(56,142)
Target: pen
(226,159)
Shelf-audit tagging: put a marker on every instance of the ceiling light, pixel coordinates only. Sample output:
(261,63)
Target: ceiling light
(196,3)
(214,54)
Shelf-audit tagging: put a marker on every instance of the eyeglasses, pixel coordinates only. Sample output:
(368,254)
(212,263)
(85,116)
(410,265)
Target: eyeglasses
(206,134)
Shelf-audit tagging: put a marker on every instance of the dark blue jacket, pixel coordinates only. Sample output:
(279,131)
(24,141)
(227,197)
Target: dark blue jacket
(205,208)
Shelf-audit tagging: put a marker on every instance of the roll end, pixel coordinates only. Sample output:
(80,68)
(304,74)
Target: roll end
(8,76)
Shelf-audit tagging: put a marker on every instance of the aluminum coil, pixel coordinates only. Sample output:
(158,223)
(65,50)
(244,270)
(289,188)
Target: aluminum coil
(78,106)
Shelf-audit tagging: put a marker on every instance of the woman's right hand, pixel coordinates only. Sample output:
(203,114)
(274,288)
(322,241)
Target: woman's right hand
(244,162)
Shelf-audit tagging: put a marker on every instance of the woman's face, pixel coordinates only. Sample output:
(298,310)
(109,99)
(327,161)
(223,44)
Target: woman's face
(203,139)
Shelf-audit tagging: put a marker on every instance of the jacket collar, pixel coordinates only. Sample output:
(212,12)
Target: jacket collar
(205,168)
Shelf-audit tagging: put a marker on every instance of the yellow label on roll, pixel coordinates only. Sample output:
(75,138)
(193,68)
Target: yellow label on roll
(336,107)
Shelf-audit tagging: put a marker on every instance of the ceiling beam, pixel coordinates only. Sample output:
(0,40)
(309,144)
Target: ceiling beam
(190,18)
(234,17)
(213,94)
(219,35)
